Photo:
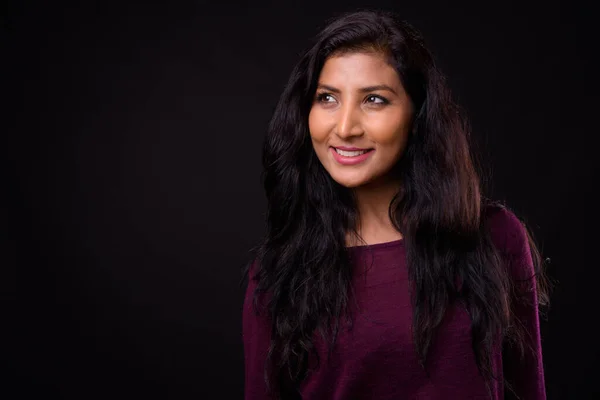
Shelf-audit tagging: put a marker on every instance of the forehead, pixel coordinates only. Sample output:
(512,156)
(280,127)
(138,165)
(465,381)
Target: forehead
(358,68)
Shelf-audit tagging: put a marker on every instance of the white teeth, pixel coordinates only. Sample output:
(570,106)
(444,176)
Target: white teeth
(350,153)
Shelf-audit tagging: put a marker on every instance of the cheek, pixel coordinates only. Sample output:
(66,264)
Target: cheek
(389,137)
(317,127)
(390,131)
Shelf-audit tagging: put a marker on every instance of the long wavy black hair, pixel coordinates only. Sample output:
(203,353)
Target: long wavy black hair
(303,264)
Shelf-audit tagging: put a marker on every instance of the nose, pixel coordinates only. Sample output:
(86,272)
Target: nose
(348,123)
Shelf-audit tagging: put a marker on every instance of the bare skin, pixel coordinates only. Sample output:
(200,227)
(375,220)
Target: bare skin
(360,102)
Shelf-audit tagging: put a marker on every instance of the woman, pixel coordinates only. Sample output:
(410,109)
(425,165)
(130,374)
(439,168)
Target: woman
(384,272)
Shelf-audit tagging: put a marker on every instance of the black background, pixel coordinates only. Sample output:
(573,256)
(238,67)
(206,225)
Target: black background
(134,138)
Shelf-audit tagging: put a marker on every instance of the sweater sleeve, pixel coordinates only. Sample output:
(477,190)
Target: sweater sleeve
(523,371)
(256,340)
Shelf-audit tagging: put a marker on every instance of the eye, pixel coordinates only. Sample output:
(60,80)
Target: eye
(376,99)
(325,98)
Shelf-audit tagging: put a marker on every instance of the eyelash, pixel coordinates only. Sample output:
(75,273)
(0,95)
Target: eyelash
(321,96)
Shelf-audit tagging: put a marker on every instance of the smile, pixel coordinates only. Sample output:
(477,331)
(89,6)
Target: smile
(345,157)
(346,153)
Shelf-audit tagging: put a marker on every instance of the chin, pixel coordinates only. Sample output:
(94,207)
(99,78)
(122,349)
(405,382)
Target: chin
(350,183)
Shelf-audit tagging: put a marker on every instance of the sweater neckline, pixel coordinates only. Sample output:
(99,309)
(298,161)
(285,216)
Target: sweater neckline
(376,246)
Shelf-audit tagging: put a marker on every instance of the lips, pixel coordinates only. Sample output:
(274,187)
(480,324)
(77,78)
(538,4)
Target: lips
(351,159)
(350,153)
(346,148)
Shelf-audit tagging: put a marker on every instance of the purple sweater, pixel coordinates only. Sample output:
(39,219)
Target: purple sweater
(377,360)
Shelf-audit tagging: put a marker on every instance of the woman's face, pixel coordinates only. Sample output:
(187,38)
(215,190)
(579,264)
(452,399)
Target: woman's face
(360,105)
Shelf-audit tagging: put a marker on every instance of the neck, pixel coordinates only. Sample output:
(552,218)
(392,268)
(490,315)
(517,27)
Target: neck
(373,202)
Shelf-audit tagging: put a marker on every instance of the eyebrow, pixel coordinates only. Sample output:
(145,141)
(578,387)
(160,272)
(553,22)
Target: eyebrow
(363,90)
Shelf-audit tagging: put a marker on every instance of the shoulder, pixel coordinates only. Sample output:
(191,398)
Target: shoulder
(506,228)
(252,278)
(509,236)
(251,274)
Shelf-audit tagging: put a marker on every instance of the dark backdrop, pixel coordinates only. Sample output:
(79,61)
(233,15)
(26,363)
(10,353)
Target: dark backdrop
(133,191)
